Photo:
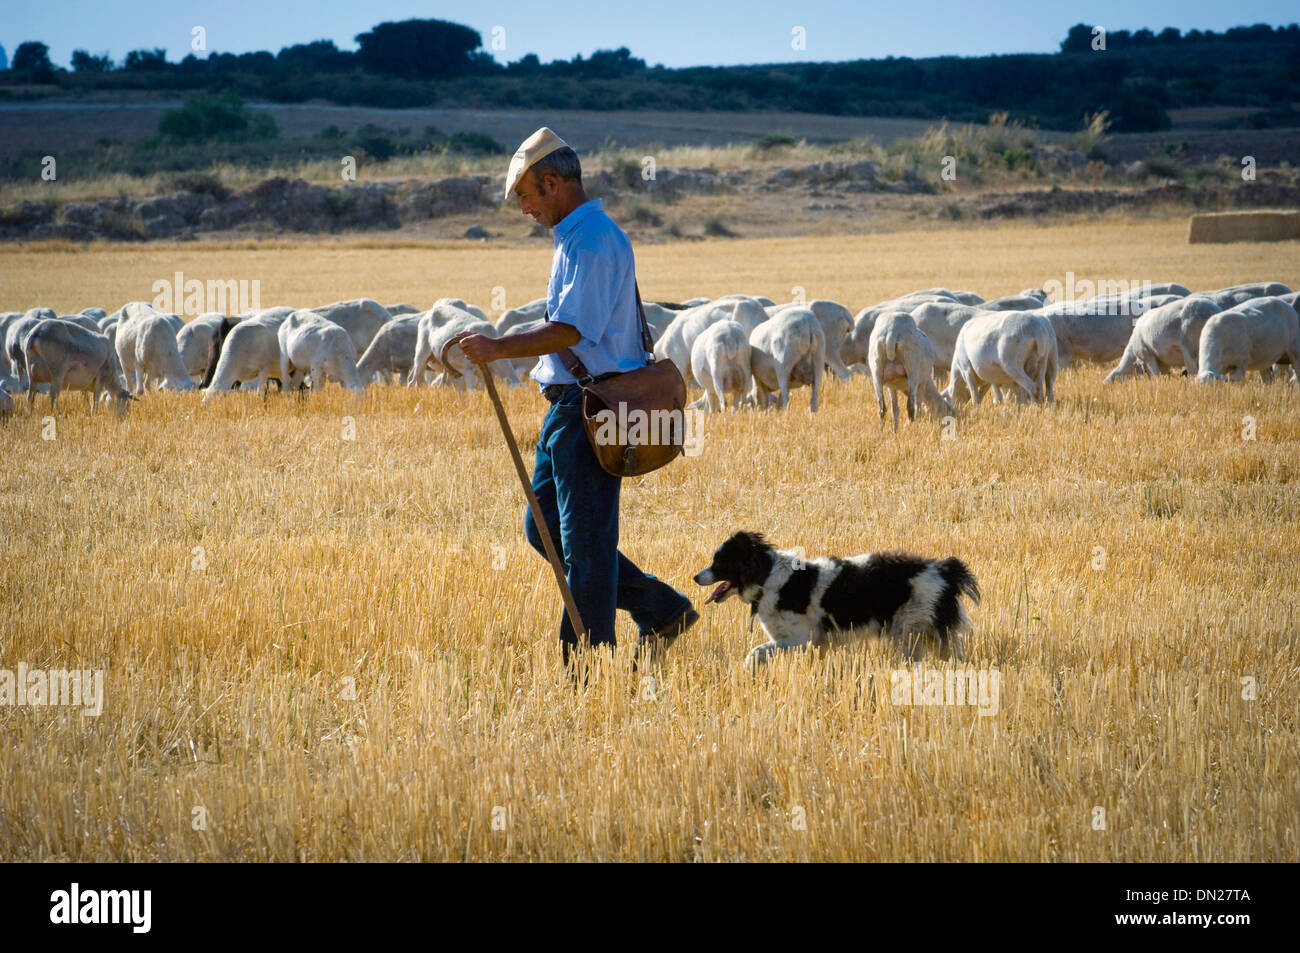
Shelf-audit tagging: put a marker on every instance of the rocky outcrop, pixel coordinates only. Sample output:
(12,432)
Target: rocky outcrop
(292,205)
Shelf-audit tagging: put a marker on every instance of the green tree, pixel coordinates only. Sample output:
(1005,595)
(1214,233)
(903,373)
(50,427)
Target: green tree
(145,60)
(421,48)
(83,62)
(32,55)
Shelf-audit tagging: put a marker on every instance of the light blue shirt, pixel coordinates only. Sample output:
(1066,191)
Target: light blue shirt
(593,288)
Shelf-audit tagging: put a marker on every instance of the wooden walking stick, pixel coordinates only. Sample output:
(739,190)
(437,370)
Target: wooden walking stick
(542,529)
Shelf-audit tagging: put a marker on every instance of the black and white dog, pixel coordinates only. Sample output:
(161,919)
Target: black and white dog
(907,598)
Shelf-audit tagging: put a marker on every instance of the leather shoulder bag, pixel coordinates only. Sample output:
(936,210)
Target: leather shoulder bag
(635,420)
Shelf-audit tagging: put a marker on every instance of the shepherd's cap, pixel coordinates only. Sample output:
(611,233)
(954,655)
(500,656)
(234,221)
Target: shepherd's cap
(540,144)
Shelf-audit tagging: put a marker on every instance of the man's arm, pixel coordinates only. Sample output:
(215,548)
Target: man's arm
(547,339)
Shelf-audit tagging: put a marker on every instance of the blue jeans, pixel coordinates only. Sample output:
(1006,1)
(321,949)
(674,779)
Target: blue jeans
(579,501)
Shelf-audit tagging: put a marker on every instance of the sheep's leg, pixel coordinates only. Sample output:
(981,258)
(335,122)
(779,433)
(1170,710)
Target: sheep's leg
(878,383)
(893,400)
(911,397)
(818,371)
(718,377)
(56,386)
(1023,380)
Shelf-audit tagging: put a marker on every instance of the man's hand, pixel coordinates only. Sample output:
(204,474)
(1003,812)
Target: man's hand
(479,349)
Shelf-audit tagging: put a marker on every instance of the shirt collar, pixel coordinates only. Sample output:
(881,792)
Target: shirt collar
(575,218)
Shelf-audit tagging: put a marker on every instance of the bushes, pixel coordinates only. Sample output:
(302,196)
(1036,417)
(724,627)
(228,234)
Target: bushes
(221,118)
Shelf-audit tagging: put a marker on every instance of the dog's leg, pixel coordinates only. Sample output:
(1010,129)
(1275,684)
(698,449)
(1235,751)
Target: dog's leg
(758,655)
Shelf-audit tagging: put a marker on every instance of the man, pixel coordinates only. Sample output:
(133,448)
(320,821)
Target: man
(592,309)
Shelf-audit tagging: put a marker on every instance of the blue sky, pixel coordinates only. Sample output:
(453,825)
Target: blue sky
(672,32)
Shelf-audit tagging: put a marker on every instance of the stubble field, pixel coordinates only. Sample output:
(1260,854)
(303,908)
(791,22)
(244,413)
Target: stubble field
(323,636)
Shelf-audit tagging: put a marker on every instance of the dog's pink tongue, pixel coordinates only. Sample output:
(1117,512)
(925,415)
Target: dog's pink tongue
(716,594)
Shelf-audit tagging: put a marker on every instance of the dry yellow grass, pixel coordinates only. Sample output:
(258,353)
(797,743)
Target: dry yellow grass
(329,565)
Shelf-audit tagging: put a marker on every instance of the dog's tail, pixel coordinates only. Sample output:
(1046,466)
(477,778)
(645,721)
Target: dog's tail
(959,578)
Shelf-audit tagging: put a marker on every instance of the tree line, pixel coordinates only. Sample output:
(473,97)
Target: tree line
(1137,76)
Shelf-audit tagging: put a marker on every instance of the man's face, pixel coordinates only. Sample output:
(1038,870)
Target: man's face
(538,198)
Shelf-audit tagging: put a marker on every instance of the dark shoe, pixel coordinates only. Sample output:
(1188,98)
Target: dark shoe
(657,641)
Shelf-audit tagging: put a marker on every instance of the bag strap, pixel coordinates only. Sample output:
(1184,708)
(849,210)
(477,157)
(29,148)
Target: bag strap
(573,364)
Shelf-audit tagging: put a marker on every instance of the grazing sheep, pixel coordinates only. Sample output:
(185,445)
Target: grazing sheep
(678,338)
(1097,330)
(6,318)
(1253,336)
(853,352)
(905,302)
(361,318)
(399,310)
(462,306)
(70,357)
(81,320)
(1020,302)
(250,355)
(902,358)
(837,324)
(1234,295)
(200,343)
(463,374)
(147,350)
(941,322)
(1165,337)
(431,321)
(1004,349)
(720,362)
(787,351)
(16,337)
(392,350)
(315,345)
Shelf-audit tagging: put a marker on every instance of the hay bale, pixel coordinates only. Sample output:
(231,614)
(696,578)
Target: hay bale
(1252,226)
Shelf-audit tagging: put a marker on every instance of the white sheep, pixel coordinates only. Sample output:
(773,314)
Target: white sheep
(1015,349)
(70,357)
(250,355)
(1165,337)
(147,350)
(837,325)
(902,358)
(787,351)
(677,340)
(392,350)
(312,344)
(1253,336)
(360,317)
(463,373)
(720,362)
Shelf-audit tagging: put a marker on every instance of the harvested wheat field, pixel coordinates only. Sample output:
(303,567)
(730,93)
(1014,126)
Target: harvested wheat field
(323,635)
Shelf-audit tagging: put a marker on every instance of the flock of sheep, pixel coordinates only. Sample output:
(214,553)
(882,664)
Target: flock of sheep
(737,348)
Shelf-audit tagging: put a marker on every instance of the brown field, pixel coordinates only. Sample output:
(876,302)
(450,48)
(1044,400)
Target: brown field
(343,649)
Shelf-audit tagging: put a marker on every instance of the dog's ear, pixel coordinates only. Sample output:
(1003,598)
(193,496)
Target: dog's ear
(756,558)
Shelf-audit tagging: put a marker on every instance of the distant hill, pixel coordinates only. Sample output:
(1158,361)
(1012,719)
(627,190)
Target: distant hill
(1136,76)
